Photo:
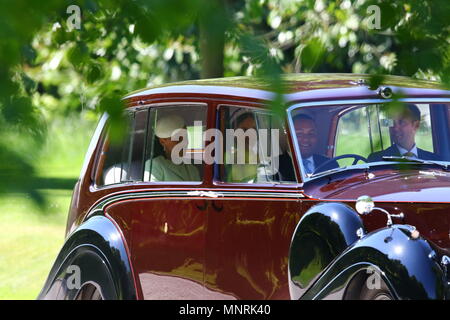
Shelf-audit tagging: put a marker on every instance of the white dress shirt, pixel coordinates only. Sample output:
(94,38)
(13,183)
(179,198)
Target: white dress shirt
(403,151)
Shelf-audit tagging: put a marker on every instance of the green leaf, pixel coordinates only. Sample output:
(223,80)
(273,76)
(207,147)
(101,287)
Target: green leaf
(29,84)
(375,81)
(113,105)
(94,73)
(78,55)
(312,54)
(147,27)
(29,54)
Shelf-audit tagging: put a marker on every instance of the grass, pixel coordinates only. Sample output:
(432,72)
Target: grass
(30,238)
(63,154)
(29,242)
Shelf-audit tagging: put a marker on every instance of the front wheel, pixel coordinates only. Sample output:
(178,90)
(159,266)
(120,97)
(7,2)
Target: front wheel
(361,288)
(380,293)
(89,292)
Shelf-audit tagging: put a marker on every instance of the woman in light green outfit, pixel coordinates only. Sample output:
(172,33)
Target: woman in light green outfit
(162,168)
(244,172)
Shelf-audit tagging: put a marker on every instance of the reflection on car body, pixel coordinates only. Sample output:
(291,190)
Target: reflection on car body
(282,223)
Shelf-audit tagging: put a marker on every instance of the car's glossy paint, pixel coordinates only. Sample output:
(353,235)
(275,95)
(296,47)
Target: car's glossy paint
(419,183)
(247,242)
(322,234)
(408,266)
(421,194)
(217,240)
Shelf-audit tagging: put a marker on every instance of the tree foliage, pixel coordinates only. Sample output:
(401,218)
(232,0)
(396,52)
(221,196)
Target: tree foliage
(49,70)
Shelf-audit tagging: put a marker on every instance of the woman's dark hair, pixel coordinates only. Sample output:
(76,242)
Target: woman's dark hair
(243,117)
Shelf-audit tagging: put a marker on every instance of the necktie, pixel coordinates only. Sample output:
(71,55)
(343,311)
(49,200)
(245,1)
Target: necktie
(409,154)
(308,166)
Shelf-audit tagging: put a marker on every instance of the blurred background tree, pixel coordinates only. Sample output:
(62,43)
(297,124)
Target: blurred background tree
(49,71)
(56,80)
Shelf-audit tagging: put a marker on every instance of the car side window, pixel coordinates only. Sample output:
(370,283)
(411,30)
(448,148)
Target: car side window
(255,148)
(175,147)
(121,155)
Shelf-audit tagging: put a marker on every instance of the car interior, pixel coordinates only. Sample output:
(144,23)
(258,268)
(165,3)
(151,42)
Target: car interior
(194,117)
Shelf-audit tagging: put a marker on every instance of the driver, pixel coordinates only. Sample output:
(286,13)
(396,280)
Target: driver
(306,132)
(406,122)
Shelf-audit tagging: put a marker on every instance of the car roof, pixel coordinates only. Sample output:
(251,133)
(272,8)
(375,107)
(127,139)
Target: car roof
(300,86)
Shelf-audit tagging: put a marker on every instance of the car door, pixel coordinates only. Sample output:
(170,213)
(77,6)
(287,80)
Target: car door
(163,219)
(251,222)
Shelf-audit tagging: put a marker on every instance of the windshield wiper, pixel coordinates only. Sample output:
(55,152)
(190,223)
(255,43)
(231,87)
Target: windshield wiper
(446,167)
(363,166)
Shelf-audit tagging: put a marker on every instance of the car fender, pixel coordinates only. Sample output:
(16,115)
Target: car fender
(321,235)
(407,265)
(95,253)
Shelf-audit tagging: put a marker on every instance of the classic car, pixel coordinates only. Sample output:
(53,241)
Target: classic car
(347,195)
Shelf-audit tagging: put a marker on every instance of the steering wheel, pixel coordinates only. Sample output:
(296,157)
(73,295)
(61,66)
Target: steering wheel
(357,157)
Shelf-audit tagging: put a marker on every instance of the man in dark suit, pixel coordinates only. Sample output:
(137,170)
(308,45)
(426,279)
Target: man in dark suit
(306,132)
(406,122)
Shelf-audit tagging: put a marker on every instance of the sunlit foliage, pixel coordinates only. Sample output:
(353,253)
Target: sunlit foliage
(48,69)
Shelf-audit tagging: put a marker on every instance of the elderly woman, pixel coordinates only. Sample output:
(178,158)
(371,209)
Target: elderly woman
(162,168)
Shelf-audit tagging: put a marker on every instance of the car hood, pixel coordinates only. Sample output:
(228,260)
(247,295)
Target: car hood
(428,185)
(423,196)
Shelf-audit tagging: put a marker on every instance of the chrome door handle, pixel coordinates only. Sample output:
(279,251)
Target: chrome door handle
(201,193)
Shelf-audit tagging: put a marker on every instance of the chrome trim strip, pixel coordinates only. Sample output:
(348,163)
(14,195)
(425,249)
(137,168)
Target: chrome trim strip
(93,143)
(162,104)
(343,102)
(362,101)
(357,90)
(205,89)
(186,194)
(268,95)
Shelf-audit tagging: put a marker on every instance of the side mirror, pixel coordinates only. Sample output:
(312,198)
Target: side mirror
(364,205)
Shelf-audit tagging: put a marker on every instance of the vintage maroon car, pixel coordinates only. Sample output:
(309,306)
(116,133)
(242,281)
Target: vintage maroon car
(293,223)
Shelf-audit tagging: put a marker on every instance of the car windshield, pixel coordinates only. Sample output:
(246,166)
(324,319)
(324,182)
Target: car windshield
(330,138)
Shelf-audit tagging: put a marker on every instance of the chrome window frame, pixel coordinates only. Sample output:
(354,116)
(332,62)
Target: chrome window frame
(265,111)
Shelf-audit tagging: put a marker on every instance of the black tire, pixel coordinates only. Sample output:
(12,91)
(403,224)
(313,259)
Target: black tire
(89,292)
(382,293)
(359,289)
